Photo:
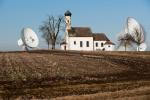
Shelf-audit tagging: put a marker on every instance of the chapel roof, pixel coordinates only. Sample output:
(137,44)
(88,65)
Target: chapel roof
(109,42)
(80,32)
(100,37)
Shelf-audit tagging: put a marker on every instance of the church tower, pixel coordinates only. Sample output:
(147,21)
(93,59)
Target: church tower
(68,27)
(68,19)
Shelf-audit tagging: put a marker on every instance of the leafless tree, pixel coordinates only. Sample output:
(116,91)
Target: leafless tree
(51,29)
(125,40)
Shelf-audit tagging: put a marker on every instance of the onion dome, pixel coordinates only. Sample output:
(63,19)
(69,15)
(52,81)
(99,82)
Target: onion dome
(68,13)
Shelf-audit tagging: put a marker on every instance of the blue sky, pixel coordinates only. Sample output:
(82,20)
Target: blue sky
(108,16)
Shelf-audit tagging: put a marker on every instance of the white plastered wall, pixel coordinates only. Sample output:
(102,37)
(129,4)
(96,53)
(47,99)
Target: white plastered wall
(72,46)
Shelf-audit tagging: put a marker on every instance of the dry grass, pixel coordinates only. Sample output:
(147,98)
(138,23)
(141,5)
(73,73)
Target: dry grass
(142,93)
(50,74)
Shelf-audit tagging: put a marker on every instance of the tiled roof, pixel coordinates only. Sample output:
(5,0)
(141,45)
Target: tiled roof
(86,32)
(109,42)
(80,32)
(100,37)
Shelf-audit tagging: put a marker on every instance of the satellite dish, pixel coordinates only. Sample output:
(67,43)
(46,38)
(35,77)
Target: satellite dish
(28,39)
(133,27)
(142,47)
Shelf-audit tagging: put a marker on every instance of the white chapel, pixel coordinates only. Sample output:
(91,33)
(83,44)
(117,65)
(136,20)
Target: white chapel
(82,38)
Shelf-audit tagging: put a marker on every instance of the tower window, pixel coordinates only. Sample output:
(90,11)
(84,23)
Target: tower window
(81,44)
(102,44)
(96,44)
(74,42)
(87,43)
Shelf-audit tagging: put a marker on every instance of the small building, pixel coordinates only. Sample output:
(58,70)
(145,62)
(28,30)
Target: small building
(82,38)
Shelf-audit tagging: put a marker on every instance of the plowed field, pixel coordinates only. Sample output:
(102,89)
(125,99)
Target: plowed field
(81,75)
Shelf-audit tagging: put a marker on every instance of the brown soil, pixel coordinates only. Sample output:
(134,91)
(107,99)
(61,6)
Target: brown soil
(50,74)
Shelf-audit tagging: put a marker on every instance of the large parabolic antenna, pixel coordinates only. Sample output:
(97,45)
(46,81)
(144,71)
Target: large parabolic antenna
(28,39)
(142,47)
(136,31)
(133,26)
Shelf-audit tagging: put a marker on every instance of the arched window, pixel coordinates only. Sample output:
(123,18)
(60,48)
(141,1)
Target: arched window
(102,44)
(81,44)
(87,43)
(96,44)
(74,42)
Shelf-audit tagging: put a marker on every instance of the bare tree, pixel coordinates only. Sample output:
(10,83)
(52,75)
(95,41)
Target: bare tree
(51,29)
(125,40)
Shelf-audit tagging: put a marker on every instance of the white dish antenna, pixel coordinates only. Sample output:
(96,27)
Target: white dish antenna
(133,27)
(28,39)
(142,47)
